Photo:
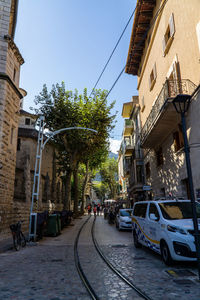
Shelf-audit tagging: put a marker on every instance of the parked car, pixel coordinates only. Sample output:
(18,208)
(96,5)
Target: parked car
(123,219)
(166,227)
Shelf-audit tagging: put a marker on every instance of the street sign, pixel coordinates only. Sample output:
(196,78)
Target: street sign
(147,188)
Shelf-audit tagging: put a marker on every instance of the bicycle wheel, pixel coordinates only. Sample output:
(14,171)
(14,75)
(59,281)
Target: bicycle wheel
(16,243)
(23,240)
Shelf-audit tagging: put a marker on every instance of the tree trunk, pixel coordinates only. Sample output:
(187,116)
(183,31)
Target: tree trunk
(76,190)
(85,187)
(67,199)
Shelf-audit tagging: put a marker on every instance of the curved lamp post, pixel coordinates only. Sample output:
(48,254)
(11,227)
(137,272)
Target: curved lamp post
(181,103)
(41,145)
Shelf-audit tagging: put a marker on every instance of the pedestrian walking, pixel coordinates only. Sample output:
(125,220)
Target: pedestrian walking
(95,211)
(98,209)
(89,208)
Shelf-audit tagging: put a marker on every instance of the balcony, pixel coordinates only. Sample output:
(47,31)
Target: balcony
(127,166)
(128,148)
(128,127)
(163,117)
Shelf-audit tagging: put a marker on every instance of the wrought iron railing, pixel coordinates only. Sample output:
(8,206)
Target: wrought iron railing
(171,88)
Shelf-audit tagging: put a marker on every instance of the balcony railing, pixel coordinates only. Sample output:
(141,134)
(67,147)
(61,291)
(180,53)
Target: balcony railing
(128,127)
(171,89)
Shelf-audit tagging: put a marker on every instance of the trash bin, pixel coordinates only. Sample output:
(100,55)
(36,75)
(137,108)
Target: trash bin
(52,225)
(59,223)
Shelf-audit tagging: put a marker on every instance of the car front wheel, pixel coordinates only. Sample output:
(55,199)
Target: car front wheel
(165,253)
(135,240)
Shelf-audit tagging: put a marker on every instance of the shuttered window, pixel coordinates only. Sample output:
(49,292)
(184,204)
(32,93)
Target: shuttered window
(152,77)
(168,36)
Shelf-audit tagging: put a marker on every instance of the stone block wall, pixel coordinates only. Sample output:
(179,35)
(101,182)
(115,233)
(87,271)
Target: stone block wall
(10,58)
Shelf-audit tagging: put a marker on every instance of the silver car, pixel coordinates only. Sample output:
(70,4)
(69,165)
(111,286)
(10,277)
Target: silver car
(123,219)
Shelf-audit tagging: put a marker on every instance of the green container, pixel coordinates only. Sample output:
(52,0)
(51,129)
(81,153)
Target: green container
(59,224)
(52,225)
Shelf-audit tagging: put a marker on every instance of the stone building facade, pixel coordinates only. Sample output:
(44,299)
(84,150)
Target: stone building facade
(51,191)
(164,54)
(10,95)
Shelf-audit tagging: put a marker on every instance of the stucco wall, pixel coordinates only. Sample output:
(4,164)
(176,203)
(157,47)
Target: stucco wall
(184,49)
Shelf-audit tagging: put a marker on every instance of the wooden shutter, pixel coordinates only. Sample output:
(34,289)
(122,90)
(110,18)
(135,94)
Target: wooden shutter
(171,25)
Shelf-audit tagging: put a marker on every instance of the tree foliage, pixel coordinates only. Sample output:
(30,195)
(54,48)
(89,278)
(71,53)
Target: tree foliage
(62,109)
(109,175)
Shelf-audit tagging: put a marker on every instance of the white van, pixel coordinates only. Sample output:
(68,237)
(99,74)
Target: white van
(166,227)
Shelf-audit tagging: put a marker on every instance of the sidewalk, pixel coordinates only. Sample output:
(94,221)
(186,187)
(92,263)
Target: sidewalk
(6,244)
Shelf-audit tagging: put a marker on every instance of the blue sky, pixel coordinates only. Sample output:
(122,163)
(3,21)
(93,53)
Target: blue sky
(70,41)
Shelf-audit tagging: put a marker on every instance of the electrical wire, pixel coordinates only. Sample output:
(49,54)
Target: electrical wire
(138,44)
(113,51)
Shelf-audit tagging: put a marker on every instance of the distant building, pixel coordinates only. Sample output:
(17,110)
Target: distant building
(164,54)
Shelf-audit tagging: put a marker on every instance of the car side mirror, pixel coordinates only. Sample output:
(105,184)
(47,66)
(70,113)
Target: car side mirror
(153,217)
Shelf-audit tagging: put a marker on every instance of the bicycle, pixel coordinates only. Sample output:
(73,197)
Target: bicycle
(19,239)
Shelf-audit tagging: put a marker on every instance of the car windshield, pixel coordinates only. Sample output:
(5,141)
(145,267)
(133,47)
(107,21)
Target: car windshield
(178,210)
(125,213)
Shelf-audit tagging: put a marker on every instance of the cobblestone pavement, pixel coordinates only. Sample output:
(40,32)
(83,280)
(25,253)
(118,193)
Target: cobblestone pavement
(47,271)
(145,268)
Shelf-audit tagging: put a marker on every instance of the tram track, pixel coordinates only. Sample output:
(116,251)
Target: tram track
(84,278)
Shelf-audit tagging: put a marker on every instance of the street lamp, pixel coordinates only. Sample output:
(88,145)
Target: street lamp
(181,103)
(36,183)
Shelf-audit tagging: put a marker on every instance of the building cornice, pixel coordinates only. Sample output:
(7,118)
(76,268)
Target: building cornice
(4,76)
(15,49)
(141,26)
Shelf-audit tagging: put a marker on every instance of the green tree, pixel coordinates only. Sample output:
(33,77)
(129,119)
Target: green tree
(61,109)
(109,175)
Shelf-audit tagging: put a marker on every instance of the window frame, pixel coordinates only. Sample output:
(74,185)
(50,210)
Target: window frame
(158,215)
(27,119)
(143,215)
(152,77)
(159,157)
(169,35)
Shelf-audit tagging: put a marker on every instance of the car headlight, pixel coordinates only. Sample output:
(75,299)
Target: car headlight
(176,229)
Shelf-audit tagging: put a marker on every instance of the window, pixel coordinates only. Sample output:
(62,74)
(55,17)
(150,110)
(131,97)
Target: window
(159,157)
(18,144)
(139,173)
(12,134)
(148,170)
(178,139)
(178,210)
(27,121)
(14,74)
(153,210)
(162,190)
(152,77)
(140,210)
(168,36)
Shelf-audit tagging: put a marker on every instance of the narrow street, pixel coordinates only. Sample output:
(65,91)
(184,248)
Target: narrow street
(47,270)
